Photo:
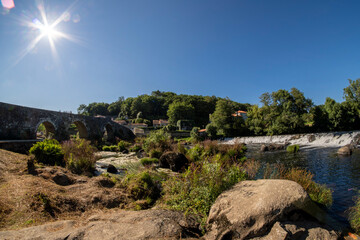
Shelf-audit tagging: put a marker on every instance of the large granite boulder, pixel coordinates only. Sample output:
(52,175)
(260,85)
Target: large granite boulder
(345,150)
(251,208)
(130,225)
(175,161)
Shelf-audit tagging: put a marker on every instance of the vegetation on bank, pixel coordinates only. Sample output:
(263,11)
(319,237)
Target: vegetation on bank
(317,192)
(354,215)
(282,112)
(212,169)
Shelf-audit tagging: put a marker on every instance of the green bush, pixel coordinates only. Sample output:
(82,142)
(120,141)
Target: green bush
(122,145)
(195,153)
(196,190)
(135,148)
(79,156)
(293,148)
(317,192)
(149,161)
(48,152)
(355,216)
(142,186)
(157,140)
(106,148)
(155,153)
(195,134)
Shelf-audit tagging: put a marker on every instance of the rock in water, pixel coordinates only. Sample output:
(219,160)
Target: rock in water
(251,208)
(345,150)
(311,138)
(111,169)
(175,161)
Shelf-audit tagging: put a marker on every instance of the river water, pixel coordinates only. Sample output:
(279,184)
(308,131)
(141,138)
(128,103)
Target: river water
(340,173)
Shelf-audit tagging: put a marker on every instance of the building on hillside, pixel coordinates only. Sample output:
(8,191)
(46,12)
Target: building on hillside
(240,113)
(160,123)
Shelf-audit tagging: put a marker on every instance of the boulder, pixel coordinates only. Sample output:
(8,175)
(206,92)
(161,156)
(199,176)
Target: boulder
(345,150)
(251,208)
(264,148)
(273,147)
(175,161)
(62,179)
(130,225)
(111,169)
(311,138)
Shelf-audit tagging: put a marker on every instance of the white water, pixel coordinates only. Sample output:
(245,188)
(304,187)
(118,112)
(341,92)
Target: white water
(330,139)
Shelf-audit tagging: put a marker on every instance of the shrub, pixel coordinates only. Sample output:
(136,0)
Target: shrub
(135,148)
(197,188)
(106,148)
(48,152)
(195,134)
(122,145)
(293,148)
(157,140)
(195,153)
(142,186)
(317,192)
(149,161)
(79,156)
(355,215)
(155,153)
(211,130)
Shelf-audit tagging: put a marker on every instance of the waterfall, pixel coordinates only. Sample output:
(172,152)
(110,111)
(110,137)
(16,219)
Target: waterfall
(329,139)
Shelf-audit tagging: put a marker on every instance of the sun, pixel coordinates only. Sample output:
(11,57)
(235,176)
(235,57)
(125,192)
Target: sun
(48,31)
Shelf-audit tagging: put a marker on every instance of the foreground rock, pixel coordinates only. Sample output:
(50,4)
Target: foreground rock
(265,209)
(175,161)
(131,225)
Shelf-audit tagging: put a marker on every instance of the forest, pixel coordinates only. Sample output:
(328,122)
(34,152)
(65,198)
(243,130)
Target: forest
(281,112)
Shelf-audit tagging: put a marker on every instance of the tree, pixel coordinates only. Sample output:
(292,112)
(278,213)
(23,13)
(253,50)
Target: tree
(352,92)
(222,118)
(180,111)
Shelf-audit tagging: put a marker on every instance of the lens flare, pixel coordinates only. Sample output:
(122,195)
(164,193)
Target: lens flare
(9,4)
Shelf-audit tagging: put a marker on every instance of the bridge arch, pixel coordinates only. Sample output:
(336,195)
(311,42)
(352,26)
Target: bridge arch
(108,133)
(50,128)
(81,127)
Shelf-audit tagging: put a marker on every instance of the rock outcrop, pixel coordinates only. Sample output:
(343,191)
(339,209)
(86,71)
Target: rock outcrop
(264,209)
(130,225)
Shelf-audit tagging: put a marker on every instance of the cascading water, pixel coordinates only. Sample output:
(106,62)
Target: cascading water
(331,139)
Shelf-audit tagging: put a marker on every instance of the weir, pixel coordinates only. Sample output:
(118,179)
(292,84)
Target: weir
(330,139)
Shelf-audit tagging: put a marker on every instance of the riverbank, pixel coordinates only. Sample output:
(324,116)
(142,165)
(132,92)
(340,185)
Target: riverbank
(329,139)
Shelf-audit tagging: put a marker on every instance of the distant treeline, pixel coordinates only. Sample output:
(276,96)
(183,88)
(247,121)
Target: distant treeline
(161,105)
(282,112)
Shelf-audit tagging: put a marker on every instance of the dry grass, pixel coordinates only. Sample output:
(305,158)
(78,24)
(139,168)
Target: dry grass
(27,200)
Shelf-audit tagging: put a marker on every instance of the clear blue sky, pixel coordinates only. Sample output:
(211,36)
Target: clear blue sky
(239,49)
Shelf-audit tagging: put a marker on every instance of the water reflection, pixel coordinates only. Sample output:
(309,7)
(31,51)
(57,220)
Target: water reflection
(341,174)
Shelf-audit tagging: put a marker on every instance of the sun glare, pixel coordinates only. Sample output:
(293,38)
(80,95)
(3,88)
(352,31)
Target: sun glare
(46,29)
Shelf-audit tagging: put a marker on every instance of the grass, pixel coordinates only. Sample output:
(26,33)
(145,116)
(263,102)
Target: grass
(354,215)
(293,148)
(149,161)
(317,192)
(79,156)
(195,190)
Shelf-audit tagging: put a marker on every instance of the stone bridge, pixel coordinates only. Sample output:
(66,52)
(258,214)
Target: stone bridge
(21,123)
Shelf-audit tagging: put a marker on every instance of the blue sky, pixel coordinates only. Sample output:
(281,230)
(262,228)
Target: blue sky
(239,49)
